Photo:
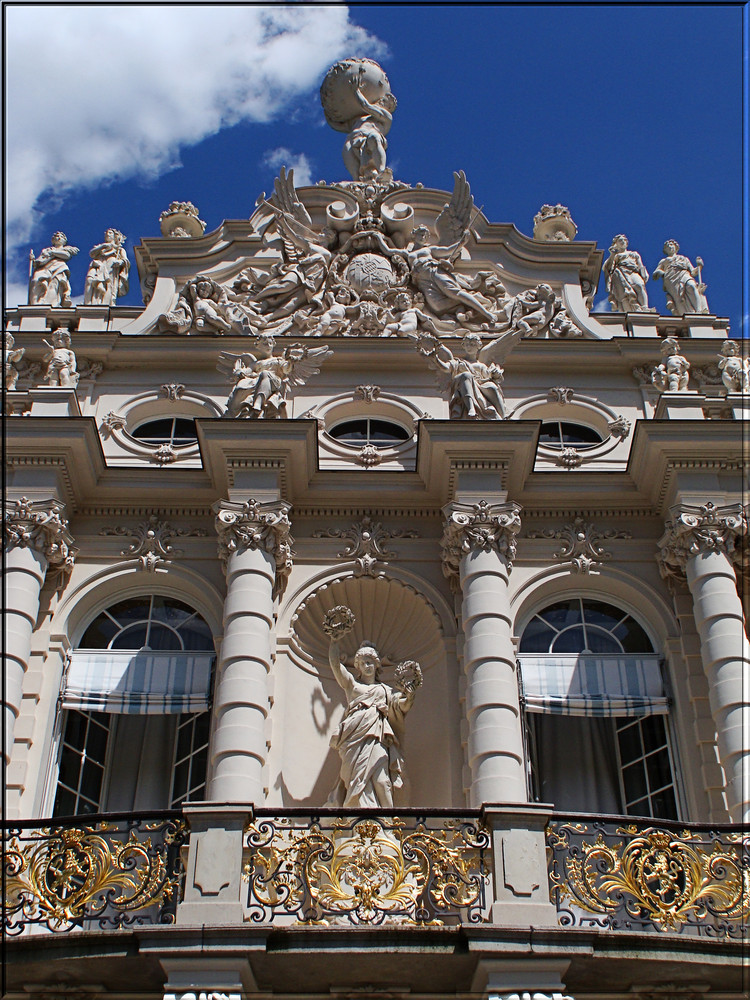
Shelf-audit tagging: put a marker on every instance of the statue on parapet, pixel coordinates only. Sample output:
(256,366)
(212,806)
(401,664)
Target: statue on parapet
(356,98)
(735,370)
(672,374)
(11,356)
(681,281)
(370,734)
(626,278)
(262,381)
(107,277)
(49,274)
(60,361)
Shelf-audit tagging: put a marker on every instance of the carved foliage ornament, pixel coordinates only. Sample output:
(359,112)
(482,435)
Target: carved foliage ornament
(481,526)
(256,526)
(581,543)
(40,525)
(152,541)
(366,543)
(695,529)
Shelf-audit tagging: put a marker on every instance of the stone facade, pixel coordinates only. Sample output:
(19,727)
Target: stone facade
(347,444)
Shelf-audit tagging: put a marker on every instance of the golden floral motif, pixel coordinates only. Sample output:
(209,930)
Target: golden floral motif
(62,876)
(654,876)
(368,871)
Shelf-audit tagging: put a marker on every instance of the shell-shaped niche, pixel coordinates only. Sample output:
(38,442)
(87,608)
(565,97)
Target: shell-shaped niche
(401,623)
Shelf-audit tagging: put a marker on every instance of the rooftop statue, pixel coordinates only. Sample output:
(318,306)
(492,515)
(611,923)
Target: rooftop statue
(554,224)
(370,734)
(181,221)
(626,278)
(473,381)
(356,98)
(11,356)
(735,370)
(263,380)
(60,361)
(107,277)
(682,282)
(672,374)
(49,274)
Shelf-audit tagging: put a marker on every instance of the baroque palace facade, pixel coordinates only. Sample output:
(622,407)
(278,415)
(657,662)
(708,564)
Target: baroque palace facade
(391,645)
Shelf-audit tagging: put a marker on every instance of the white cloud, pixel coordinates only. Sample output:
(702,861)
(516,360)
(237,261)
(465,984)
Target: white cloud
(98,93)
(298,162)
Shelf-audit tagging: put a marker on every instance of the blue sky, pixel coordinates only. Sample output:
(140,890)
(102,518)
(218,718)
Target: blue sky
(630,115)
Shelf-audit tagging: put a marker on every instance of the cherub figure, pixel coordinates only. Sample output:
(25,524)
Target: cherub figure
(60,361)
(207,306)
(473,381)
(262,381)
(682,282)
(49,274)
(532,310)
(672,374)
(735,370)
(107,277)
(11,355)
(334,319)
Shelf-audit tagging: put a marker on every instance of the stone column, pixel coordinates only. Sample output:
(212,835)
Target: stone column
(255,547)
(36,537)
(700,545)
(478,549)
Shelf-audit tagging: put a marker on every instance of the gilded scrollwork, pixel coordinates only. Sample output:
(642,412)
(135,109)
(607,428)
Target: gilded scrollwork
(637,877)
(366,871)
(62,876)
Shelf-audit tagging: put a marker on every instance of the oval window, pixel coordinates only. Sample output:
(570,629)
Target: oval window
(370,430)
(563,434)
(175,431)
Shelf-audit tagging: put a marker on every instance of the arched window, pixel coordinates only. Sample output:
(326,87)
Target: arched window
(135,725)
(370,430)
(596,711)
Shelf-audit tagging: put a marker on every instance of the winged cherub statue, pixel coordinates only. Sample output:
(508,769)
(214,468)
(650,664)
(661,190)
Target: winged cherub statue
(298,280)
(262,381)
(473,381)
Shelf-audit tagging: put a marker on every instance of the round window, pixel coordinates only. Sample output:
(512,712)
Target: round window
(563,434)
(370,430)
(176,431)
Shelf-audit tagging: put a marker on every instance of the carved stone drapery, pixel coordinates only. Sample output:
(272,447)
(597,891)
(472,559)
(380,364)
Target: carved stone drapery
(484,526)
(701,542)
(693,529)
(254,525)
(479,543)
(40,525)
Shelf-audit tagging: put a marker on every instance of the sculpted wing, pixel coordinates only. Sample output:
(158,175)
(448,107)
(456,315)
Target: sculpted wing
(285,196)
(497,350)
(453,221)
(226,362)
(304,362)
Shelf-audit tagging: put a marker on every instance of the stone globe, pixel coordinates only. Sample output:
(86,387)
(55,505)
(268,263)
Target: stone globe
(338,91)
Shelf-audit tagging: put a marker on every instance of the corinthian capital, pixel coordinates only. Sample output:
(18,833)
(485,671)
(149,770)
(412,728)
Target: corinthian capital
(40,525)
(479,526)
(255,525)
(694,529)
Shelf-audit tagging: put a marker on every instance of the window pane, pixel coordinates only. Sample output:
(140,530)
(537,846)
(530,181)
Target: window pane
(579,434)
(654,733)
(664,805)
(198,776)
(91,780)
(133,637)
(549,434)
(597,613)
(65,803)
(202,722)
(70,763)
(601,642)
(156,431)
(183,741)
(96,744)
(634,780)
(75,729)
(384,430)
(632,637)
(99,633)
(572,640)
(537,637)
(184,430)
(658,769)
(629,739)
(354,431)
(133,610)
(169,611)
(162,638)
(197,636)
(180,786)
(563,613)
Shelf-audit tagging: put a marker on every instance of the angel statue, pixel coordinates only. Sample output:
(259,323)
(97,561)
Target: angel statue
(735,370)
(299,279)
(473,381)
(262,382)
(672,374)
(370,734)
(60,361)
(432,265)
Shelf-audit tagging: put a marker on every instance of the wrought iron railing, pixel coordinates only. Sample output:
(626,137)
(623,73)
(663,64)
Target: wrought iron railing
(104,871)
(625,874)
(393,866)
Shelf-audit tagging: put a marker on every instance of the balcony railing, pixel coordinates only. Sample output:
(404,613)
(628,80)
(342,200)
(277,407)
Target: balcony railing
(105,871)
(618,873)
(394,867)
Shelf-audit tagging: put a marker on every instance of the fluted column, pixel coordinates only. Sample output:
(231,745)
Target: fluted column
(478,549)
(255,547)
(36,537)
(700,544)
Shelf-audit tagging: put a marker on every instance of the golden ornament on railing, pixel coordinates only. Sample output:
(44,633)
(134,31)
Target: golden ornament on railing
(62,876)
(653,875)
(367,871)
